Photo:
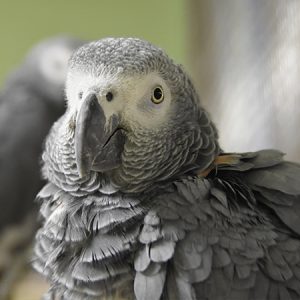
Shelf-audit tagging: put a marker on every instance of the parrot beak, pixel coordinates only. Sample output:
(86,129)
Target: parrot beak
(98,147)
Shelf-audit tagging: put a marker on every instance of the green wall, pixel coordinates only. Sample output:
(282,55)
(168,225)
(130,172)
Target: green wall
(25,22)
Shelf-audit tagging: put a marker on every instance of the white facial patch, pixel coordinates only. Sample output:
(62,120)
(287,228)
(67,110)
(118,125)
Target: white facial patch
(131,96)
(79,85)
(141,108)
(54,62)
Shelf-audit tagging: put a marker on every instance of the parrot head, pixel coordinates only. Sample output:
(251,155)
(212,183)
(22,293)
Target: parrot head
(135,114)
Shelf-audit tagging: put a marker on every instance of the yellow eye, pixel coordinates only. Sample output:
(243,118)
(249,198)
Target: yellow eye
(158,95)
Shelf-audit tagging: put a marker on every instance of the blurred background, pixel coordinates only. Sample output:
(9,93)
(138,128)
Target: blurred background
(242,55)
(23,25)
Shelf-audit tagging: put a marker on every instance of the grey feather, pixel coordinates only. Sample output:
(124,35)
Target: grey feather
(142,259)
(221,257)
(260,291)
(162,251)
(276,197)
(187,257)
(244,283)
(200,273)
(279,273)
(178,289)
(284,178)
(104,246)
(171,230)
(267,158)
(149,287)
(86,272)
(149,234)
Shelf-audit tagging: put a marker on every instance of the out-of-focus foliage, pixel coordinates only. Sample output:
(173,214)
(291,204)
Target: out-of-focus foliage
(245,60)
(24,23)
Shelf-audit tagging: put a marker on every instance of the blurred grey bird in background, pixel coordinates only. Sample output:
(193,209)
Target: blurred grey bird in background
(245,62)
(141,202)
(32,98)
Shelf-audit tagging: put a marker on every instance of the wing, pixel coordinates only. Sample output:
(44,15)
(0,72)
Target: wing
(232,235)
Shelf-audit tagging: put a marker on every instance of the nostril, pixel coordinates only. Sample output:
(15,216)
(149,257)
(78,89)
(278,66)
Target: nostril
(109,96)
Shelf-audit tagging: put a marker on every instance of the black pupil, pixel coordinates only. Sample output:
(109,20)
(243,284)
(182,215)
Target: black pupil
(109,96)
(157,93)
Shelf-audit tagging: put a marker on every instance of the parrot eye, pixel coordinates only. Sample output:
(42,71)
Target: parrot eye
(80,95)
(109,96)
(158,95)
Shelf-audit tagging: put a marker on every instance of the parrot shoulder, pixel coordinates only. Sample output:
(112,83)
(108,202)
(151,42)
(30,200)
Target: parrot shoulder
(263,248)
(232,234)
(273,184)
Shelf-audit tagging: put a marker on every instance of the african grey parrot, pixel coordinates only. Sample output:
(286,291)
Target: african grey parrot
(141,201)
(32,99)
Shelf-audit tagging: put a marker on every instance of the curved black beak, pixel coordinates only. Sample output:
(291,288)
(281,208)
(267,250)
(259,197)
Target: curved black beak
(98,143)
